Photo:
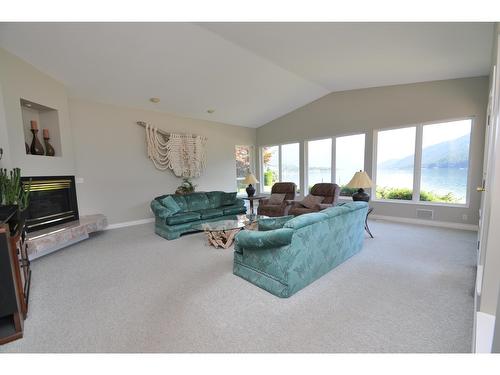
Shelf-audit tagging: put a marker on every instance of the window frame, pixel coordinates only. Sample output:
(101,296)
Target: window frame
(280,164)
(417,164)
(251,162)
(333,158)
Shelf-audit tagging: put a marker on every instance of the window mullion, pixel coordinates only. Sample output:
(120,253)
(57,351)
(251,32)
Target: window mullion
(417,166)
(332,161)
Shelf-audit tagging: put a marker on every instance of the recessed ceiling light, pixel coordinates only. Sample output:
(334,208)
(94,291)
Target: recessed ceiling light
(154,100)
(210,111)
(28,104)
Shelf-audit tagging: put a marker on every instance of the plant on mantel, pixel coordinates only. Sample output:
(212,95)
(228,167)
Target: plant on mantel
(12,191)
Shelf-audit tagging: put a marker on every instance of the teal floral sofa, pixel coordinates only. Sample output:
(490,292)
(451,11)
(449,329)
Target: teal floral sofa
(286,255)
(178,214)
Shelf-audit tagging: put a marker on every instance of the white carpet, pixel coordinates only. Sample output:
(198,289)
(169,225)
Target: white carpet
(128,290)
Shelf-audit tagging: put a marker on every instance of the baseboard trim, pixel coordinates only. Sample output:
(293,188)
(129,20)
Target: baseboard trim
(432,223)
(130,223)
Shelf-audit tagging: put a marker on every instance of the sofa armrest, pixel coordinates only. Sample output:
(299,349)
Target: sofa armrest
(239,202)
(250,239)
(160,210)
(263,202)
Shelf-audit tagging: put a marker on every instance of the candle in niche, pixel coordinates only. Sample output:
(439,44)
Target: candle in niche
(36,147)
(49,150)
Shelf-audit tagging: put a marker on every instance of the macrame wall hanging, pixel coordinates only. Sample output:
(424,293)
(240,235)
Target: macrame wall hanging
(184,154)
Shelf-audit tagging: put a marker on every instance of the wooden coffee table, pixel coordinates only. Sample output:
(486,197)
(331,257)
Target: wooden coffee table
(221,233)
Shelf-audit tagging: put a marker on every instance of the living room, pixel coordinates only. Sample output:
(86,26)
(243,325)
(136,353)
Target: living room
(233,187)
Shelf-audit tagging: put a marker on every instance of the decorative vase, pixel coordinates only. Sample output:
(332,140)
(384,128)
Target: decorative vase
(36,147)
(250,190)
(49,150)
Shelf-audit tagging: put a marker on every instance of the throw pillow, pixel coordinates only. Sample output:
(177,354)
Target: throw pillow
(228,199)
(272,223)
(311,200)
(170,204)
(276,199)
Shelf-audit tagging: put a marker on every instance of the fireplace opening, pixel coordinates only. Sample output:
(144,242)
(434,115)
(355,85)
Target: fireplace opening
(52,201)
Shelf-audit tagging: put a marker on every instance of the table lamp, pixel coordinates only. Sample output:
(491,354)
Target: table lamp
(361,181)
(250,179)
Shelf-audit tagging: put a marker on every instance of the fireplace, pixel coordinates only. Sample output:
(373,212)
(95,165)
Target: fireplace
(52,201)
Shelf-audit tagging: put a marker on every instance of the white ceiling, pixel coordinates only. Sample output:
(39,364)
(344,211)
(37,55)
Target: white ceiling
(250,73)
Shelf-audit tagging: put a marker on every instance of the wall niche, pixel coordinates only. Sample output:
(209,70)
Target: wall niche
(45,122)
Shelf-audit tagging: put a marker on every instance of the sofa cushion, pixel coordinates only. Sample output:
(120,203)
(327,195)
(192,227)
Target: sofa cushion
(183,217)
(311,200)
(276,199)
(235,209)
(197,201)
(210,213)
(304,220)
(272,223)
(181,201)
(215,198)
(228,199)
(170,204)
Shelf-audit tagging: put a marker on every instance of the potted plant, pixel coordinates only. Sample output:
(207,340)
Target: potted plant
(13,193)
(186,187)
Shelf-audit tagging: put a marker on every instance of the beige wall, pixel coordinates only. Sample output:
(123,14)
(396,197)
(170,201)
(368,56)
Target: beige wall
(119,179)
(364,110)
(19,79)
(103,145)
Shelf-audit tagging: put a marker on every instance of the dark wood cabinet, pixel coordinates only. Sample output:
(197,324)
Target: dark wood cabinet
(15,275)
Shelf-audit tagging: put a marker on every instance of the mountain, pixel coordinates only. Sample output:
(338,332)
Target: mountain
(449,154)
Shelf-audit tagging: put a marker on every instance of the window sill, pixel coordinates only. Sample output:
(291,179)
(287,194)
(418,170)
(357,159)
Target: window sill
(422,203)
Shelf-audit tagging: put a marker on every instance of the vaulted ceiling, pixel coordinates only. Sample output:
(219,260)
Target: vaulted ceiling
(250,73)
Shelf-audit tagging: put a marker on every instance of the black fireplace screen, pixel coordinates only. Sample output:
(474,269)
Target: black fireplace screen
(52,201)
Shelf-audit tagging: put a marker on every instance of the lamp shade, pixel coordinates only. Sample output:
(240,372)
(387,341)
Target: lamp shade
(250,179)
(360,180)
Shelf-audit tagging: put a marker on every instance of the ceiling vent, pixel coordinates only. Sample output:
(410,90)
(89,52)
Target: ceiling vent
(425,214)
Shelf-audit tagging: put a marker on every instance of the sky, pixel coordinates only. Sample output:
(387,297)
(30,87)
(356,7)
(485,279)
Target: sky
(399,143)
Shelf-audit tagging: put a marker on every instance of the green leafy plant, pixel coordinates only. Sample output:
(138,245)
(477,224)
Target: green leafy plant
(186,187)
(12,190)
(406,194)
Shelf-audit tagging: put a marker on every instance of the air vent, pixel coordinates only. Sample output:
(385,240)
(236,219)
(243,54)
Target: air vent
(425,214)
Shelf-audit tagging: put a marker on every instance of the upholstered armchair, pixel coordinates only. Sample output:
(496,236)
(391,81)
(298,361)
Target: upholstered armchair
(329,192)
(269,207)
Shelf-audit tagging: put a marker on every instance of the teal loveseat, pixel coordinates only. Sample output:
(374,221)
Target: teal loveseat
(178,214)
(301,250)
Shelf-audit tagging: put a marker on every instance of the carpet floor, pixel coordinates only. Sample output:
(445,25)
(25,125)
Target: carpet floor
(128,290)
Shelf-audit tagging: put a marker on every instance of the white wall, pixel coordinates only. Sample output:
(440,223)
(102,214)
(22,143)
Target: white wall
(111,157)
(364,110)
(491,275)
(19,79)
(103,145)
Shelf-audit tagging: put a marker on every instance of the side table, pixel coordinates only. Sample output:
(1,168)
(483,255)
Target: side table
(367,228)
(251,199)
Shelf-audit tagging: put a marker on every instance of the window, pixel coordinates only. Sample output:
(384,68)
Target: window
(290,163)
(286,168)
(441,153)
(395,159)
(243,166)
(270,167)
(349,158)
(319,161)
(445,162)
